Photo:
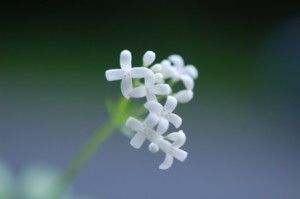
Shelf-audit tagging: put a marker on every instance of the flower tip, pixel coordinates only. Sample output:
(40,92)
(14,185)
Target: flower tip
(148,58)
(125,59)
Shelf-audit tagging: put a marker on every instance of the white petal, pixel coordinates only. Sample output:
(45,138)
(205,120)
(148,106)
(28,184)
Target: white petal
(153,136)
(163,125)
(187,81)
(150,80)
(153,148)
(151,97)
(164,145)
(114,74)
(184,96)
(161,89)
(154,106)
(170,104)
(151,120)
(179,154)
(148,58)
(134,124)
(177,61)
(140,72)
(192,71)
(137,140)
(138,92)
(167,70)
(174,119)
(125,60)
(126,86)
(167,163)
(179,138)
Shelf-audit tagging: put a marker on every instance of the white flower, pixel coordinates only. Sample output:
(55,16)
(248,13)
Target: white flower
(167,70)
(172,150)
(165,113)
(184,96)
(184,73)
(148,58)
(143,130)
(181,68)
(150,89)
(126,73)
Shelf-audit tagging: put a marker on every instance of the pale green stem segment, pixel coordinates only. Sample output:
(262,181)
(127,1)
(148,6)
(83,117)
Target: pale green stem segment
(80,160)
(118,114)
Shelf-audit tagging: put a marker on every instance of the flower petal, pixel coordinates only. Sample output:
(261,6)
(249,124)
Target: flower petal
(125,60)
(138,92)
(167,163)
(192,71)
(151,120)
(114,74)
(151,97)
(187,81)
(177,61)
(167,70)
(134,124)
(140,72)
(161,89)
(174,119)
(184,96)
(163,125)
(170,104)
(137,140)
(179,154)
(179,138)
(126,86)
(149,80)
(154,106)
(148,58)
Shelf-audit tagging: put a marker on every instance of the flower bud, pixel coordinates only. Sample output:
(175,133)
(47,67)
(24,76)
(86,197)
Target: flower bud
(153,148)
(148,58)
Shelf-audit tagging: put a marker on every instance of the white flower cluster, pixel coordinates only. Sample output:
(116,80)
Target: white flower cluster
(154,84)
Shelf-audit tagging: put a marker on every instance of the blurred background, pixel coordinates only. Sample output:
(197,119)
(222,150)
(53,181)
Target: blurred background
(242,126)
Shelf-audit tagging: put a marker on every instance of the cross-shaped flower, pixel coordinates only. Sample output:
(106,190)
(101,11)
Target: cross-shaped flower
(150,89)
(126,73)
(143,130)
(172,150)
(164,113)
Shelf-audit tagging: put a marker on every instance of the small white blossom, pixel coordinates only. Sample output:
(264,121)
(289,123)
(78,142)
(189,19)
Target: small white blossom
(172,150)
(143,130)
(184,96)
(178,62)
(184,73)
(126,73)
(148,58)
(164,113)
(167,70)
(150,89)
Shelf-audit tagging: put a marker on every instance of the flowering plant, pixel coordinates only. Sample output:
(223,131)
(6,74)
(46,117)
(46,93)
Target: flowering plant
(154,82)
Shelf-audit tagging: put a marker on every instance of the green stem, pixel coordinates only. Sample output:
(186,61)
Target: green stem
(81,158)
